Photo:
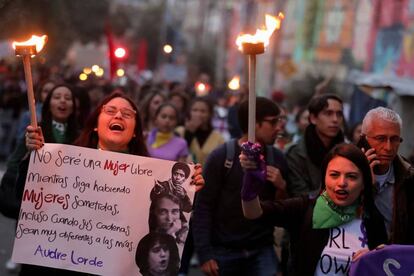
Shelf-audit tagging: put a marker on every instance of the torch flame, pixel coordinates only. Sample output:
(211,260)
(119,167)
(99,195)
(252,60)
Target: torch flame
(262,35)
(38,41)
(234,83)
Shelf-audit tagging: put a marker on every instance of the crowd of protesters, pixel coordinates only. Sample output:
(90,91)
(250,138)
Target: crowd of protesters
(307,181)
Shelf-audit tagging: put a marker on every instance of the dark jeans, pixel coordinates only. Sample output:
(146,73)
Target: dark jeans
(258,262)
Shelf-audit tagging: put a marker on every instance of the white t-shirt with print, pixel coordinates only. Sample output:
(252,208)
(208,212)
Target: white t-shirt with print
(344,241)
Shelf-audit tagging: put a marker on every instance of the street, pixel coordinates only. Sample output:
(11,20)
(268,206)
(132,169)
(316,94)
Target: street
(6,237)
(6,243)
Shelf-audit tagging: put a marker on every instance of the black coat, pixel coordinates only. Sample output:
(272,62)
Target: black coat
(307,244)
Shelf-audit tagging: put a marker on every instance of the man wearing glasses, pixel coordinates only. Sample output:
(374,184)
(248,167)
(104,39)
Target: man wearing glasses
(393,176)
(322,134)
(226,242)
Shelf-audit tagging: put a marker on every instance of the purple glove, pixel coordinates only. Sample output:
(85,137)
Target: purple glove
(253,180)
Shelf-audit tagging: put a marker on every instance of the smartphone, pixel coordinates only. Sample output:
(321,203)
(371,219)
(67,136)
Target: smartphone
(363,144)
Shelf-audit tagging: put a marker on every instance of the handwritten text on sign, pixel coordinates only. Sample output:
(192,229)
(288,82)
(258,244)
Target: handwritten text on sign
(86,210)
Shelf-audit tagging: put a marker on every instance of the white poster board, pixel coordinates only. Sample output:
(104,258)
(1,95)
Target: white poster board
(86,210)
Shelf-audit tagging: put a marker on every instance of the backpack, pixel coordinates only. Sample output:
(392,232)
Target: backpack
(231,149)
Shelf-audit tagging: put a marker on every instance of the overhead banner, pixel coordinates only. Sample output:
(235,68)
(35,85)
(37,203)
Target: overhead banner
(103,212)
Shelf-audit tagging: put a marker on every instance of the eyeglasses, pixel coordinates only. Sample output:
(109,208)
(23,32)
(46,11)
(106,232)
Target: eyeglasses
(126,113)
(275,121)
(382,139)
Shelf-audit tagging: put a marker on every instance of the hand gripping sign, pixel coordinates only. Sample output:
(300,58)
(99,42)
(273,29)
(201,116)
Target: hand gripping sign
(96,212)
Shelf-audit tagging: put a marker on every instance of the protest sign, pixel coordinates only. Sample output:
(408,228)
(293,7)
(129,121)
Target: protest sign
(87,210)
(388,261)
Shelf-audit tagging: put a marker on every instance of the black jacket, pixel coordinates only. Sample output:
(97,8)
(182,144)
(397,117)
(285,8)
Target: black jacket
(307,243)
(218,220)
(402,231)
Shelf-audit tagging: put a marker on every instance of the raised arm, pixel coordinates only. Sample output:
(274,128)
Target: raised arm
(283,213)
(250,190)
(255,174)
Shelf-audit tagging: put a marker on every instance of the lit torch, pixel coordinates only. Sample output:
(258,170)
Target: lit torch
(234,83)
(26,50)
(253,45)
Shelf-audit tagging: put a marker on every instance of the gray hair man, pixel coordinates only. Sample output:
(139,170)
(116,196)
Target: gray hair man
(393,176)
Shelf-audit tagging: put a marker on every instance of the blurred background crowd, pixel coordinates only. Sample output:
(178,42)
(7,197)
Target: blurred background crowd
(175,51)
(353,48)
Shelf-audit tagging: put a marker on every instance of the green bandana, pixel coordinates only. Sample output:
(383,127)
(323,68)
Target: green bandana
(59,130)
(327,214)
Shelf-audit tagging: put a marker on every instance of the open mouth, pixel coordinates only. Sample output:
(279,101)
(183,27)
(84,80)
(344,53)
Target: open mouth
(116,127)
(341,194)
(163,264)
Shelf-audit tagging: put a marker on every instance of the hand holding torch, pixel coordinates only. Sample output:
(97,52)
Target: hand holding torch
(252,45)
(26,50)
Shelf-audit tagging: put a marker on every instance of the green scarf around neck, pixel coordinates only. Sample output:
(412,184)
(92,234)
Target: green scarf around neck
(326,214)
(59,132)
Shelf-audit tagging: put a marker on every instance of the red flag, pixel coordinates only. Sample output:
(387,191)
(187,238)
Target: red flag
(142,54)
(111,49)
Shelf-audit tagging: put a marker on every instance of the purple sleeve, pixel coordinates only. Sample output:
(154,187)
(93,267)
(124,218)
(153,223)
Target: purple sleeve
(253,180)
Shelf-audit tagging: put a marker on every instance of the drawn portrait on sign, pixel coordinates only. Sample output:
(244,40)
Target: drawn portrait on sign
(157,254)
(166,216)
(179,174)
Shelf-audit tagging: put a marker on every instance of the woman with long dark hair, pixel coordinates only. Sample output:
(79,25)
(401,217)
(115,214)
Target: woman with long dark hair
(326,231)
(59,122)
(150,104)
(115,125)
(42,91)
(58,125)
(162,141)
